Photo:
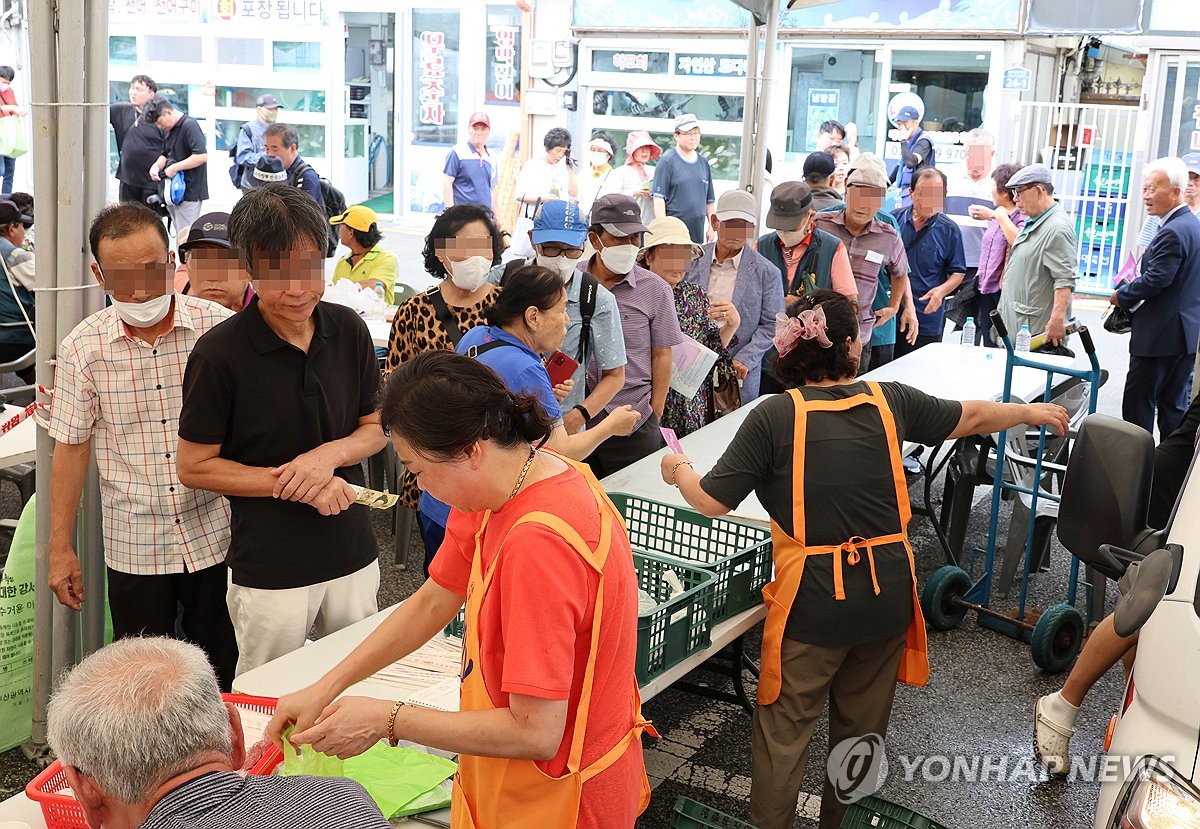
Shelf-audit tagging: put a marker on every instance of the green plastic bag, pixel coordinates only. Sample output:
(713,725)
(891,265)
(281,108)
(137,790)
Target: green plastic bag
(401,781)
(16,632)
(12,136)
(307,760)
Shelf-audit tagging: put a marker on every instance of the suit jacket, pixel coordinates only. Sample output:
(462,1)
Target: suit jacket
(758,296)
(1168,323)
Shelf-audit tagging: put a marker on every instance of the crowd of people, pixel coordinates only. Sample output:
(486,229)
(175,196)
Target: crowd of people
(230,411)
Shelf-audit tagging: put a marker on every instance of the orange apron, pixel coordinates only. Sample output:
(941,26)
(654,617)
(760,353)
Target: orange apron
(495,793)
(790,551)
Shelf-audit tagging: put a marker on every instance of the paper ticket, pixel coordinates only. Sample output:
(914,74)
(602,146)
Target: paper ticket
(373,498)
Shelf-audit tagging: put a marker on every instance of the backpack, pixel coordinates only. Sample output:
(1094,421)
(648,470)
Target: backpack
(335,203)
(236,171)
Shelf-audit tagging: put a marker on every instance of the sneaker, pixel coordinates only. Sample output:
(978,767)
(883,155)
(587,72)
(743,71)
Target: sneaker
(1051,741)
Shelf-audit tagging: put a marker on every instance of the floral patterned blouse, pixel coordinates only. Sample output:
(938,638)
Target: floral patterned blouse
(691,303)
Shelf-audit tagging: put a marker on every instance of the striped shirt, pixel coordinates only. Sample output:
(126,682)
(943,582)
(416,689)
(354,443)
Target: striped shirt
(225,800)
(125,394)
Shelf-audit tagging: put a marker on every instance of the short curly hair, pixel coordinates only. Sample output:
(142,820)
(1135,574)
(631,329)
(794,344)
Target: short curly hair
(808,362)
(556,137)
(448,224)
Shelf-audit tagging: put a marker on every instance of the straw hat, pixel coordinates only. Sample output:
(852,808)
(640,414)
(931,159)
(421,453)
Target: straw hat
(667,230)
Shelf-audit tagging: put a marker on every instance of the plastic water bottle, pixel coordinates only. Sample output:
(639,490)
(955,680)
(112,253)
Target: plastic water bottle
(1023,339)
(380,302)
(968,333)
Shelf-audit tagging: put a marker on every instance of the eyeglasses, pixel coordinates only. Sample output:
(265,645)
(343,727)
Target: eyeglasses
(554,251)
(1016,191)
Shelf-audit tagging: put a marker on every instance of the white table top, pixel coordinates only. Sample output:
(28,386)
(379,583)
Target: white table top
(944,370)
(20,444)
(380,331)
(21,808)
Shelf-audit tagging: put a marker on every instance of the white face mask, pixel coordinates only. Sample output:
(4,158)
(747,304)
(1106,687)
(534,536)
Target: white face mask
(791,238)
(598,158)
(144,314)
(561,265)
(470,273)
(619,259)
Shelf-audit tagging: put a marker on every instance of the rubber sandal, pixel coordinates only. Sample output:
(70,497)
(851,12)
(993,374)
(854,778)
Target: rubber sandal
(1051,741)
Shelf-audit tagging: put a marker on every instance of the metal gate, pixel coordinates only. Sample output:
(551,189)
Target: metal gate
(1090,150)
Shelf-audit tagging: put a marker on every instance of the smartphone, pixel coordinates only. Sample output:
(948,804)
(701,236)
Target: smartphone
(560,367)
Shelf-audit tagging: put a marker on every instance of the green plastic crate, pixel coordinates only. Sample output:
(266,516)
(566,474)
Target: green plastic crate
(877,813)
(739,555)
(692,815)
(677,627)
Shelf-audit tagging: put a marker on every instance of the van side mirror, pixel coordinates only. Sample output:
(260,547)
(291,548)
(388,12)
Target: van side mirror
(1106,492)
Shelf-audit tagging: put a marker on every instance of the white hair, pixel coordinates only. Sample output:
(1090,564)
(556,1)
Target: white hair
(979,136)
(1170,166)
(136,713)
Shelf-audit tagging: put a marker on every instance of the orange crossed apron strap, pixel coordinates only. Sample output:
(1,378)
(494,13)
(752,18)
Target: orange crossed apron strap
(790,551)
(495,792)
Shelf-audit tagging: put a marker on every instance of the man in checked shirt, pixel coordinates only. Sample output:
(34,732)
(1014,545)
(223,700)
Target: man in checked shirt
(119,390)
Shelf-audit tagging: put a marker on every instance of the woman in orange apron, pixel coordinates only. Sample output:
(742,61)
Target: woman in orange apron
(843,621)
(549,728)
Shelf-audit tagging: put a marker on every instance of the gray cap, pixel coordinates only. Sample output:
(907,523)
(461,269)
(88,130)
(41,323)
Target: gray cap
(1033,174)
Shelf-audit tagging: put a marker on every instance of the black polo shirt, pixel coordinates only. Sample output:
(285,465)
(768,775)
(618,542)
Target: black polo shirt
(183,141)
(138,143)
(266,402)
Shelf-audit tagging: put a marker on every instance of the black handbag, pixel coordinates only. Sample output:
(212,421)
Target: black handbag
(1117,320)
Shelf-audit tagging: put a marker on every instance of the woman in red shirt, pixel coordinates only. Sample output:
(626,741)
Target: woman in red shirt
(548,731)
(8,106)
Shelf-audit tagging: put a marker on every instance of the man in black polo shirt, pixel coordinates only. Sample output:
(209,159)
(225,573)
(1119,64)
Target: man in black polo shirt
(278,414)
(139,142)
(185,152)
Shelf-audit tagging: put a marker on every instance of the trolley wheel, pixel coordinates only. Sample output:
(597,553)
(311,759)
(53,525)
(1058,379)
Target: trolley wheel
(1057,638)
(938,603)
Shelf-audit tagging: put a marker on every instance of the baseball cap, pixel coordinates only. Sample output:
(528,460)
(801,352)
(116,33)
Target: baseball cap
(268,170)
(908,113)
(790,200)
(358,216)
(559,221)
(269,101)
(1192,162)
(619,214)
(210,229)
(737,204)
(9,213)
(819,166)
(480,118)
(686,122)
(1033,174)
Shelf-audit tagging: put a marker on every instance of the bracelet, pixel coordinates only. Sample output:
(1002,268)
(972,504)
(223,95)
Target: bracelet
(675,470)
(586,414)
(391,728)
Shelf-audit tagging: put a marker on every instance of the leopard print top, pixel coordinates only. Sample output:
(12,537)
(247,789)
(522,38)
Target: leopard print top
(415,330)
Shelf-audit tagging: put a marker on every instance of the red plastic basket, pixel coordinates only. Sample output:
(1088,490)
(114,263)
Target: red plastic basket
(64,812)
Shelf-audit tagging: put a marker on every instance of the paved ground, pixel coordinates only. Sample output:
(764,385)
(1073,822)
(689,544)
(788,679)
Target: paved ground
(978,702)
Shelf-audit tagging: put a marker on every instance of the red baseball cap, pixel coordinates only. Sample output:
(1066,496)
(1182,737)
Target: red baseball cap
(480,118)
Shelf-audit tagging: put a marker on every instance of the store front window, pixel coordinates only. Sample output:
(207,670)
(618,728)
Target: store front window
(293,100)
(122,50)
(953,86)
(295,56)
(1179,126)
(722,151)
(840,85)
(648,104)
(312,137)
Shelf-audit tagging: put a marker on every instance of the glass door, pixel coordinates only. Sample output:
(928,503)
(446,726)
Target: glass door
(1176,121)
(840,84)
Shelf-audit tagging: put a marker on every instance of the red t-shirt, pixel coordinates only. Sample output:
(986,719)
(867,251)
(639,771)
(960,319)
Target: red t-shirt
(535,628)
(7,96)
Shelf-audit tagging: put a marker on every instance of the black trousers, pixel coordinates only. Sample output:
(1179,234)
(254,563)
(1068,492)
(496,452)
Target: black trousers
(1157,383)
(189,606)
(137,194)
(616,453)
